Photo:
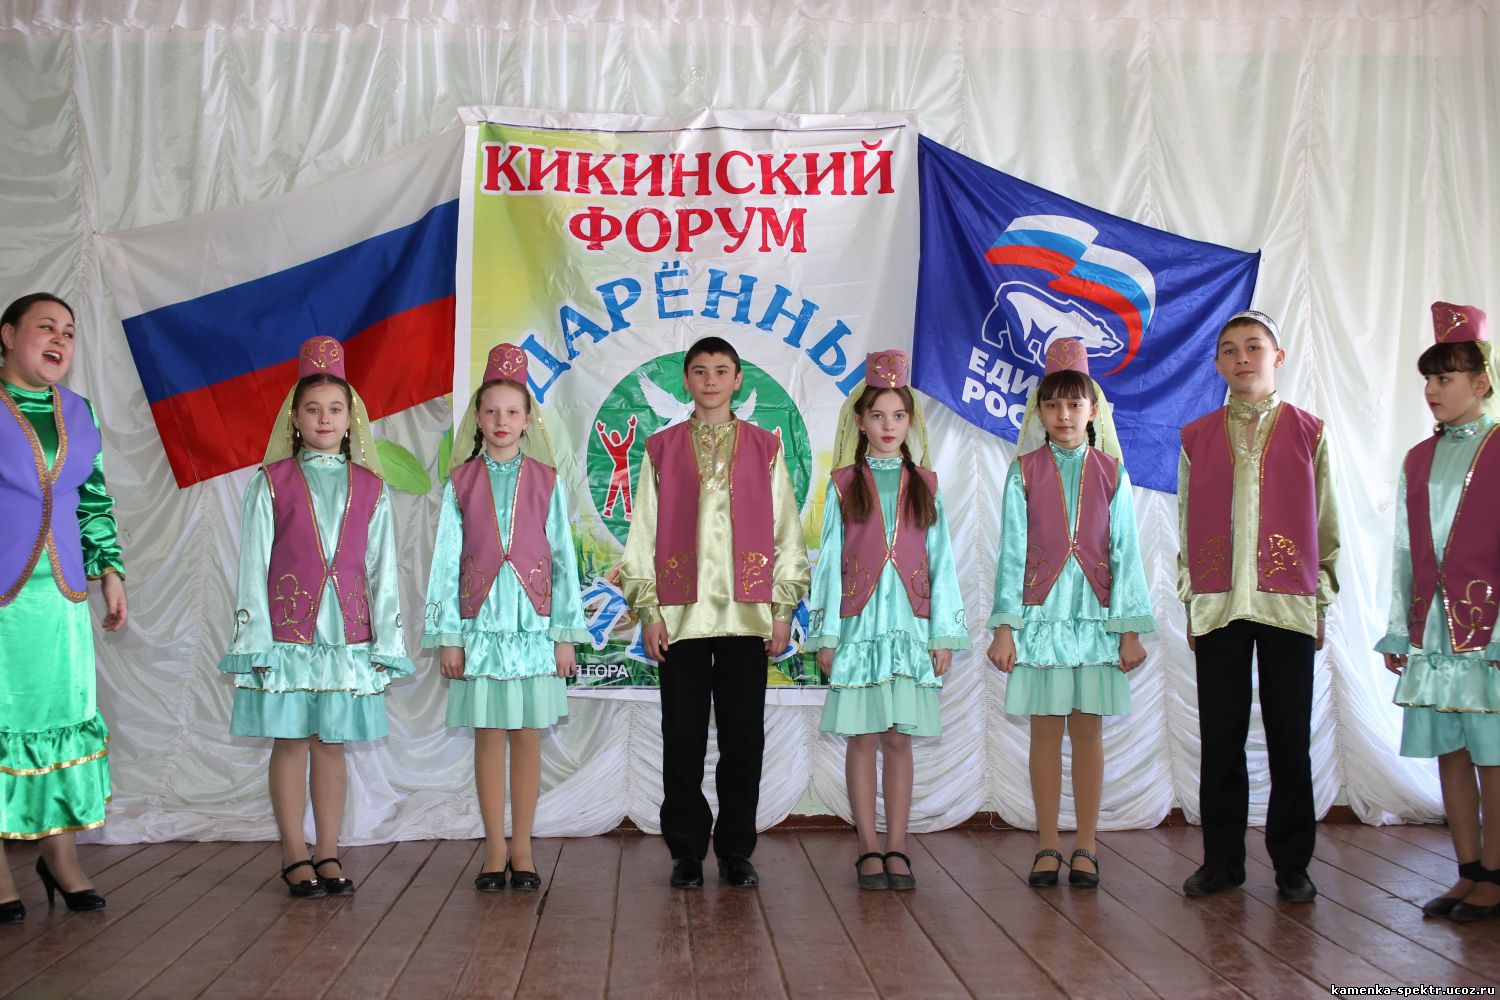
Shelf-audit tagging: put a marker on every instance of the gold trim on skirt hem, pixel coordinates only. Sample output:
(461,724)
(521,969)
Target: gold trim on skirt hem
(31,772)
(51,833)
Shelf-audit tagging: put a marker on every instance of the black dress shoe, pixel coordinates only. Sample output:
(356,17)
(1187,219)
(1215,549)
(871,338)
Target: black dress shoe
(525,881)
(1468,913)
(1442,906)
(738,872)
(303,890)
(490,881)
(687,873)
(80,901)
(1294,886)
(1207,881)
(1042,879)
(338,885)
(876,881)
(897,880)
(12,911)
(1088,880)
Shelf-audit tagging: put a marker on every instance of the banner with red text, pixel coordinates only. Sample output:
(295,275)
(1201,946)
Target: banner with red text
(606,244)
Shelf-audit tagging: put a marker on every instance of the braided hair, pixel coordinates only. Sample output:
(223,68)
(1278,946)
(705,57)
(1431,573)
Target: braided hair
(858,504)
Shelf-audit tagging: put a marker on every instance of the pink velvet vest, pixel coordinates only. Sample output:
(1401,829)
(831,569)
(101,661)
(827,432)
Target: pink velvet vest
(1286,555)
(1050,539)
(299,564)
(866,550)
(40,505)
(753,546)
(484,551)
(1469,573)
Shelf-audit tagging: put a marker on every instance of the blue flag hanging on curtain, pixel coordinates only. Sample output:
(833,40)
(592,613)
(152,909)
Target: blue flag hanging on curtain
(1008,266)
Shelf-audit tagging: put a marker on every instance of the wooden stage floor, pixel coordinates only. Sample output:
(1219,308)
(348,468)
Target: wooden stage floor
(212,920)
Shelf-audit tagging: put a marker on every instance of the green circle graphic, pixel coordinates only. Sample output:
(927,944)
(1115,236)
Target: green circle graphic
(654,395)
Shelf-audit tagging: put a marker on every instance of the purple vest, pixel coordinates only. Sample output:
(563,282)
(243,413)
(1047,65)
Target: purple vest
(1469,572)
(1050,539)
(299,567)
(41,504)
(484,551)
(1287,554)
(866,551)
(751,518)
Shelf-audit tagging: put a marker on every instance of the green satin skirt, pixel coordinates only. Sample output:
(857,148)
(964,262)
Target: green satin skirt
(54,753)
(513,703)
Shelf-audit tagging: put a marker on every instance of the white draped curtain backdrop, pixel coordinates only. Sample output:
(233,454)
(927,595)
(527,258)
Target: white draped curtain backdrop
(1354,140)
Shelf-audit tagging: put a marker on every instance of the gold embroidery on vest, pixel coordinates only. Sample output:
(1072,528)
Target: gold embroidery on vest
(1469,614)
(291,607)
(753,572)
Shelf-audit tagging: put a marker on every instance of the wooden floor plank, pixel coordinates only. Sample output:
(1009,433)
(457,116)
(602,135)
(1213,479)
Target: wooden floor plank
(568,955)
(1080,967)
(342,938)
(1436,872)
(275,929)
(900,959)
(1161,963)
(732,952)
(96,859)
(1276,940)
(496,927)
(1429,836)
(651,953)
(126,939)
(380,961)
(815,956)
(125,886)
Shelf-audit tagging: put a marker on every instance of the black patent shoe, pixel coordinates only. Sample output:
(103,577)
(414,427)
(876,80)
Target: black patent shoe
(1442,906)
(524,881)
(1294,886)
(12,911)
(1208,881)
(338,885)
(303,890)
(81,901)
(1468,913)
(877,881)
(898,881)
(739,872)
(1042,879)
(490,881)
(1086,880)
(687,873)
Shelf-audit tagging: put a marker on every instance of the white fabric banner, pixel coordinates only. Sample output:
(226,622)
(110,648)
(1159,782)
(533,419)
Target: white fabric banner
(1353,140)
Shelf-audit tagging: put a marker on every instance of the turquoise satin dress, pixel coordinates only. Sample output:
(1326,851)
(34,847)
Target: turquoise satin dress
(510,670)
(1068,647)
(1451,700)
(54,754)
(327,688)
(882,668)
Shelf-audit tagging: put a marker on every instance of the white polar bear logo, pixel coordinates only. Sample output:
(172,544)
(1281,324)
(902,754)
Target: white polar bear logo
(1026,319)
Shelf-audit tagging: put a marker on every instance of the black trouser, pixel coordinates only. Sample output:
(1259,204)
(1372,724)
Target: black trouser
(730,673)
(1285,664)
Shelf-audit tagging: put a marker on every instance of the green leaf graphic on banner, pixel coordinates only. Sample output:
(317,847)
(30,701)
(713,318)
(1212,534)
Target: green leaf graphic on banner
(445,454)
(402,470)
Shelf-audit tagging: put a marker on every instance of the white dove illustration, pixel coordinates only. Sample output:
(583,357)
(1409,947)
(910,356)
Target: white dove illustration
(671,409)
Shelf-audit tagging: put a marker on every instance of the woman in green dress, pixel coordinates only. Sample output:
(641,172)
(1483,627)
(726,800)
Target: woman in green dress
(54,764)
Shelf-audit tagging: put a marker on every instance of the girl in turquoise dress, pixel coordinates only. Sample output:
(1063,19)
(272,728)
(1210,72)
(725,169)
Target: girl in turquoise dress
(1067,657)
(54,764)
(884,661)
(1451,700)
(507,660)
(312,693)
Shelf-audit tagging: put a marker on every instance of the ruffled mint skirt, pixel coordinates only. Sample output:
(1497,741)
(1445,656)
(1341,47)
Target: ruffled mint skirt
(1066,666)
(901,702)
(509,681)
(1450,703)
(54,755)
(331,716)
(880,683)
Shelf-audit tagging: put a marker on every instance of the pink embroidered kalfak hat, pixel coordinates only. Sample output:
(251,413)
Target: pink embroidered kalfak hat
(888,369)
(506,361)
(321,355)
(1452,324)
(1067,354)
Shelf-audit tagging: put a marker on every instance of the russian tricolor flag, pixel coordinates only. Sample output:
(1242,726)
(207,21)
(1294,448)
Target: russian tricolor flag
(216,306)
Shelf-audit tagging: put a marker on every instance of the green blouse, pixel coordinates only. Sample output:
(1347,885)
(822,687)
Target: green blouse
(1070,627)
(506,608)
